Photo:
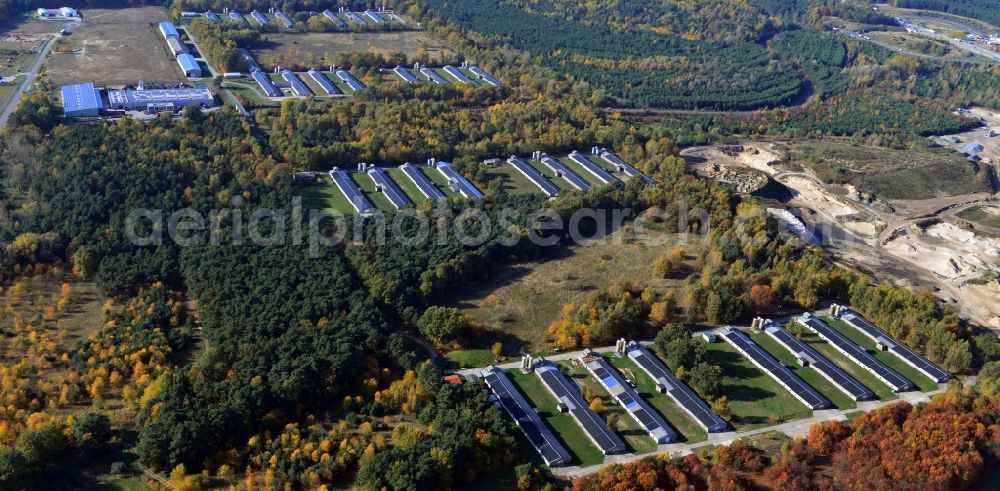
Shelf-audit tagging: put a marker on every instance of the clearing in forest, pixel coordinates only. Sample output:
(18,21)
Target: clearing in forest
(318,49)
(517,305)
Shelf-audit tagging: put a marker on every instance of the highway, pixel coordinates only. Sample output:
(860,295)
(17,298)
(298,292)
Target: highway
(890,47)
(967,46)
(993,55)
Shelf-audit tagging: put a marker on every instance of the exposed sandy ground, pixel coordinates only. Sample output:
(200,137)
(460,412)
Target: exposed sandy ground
(810,194)
(115,47)
(761,156)
(765,157)
(948,251)
(886,240)
(807,190)
(991,144)
(26,35)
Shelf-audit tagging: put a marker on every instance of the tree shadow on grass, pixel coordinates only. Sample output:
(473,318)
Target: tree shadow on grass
(510,342)
(738,392)
(546,415)
(733,365)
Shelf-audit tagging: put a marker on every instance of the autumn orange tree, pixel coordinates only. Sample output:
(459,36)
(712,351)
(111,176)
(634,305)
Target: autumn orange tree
(939,445)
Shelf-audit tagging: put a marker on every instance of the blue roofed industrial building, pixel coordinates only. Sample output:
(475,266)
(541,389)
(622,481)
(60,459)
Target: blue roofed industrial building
(238,18)
(265,83)
(81,100)
(324,82)
(285,19)
(167,29)
(298,86)
(259,17)
(189,65)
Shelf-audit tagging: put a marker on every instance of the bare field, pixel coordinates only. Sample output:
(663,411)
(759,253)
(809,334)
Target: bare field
(522,301)
(28,29)
(919,173)
(21,38)
(114,47)
(309,49)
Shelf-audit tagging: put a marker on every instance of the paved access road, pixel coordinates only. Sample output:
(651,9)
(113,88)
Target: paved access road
(796,428)
(29,78)
(215,73)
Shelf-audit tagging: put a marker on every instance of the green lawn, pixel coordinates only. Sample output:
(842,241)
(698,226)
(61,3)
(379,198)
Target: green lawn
(438,179)
(606,166)
(636,438)
(346,89)
(420,76)
(469,358)
(914,173)
(368,187)
(551,176)
(473,77)
(513,181)
(563,425)
(324,195)
(924,383)
(808,374)
(862,375)
(755,399)
(249,93)
(406,185)
(584,173)
(674,414)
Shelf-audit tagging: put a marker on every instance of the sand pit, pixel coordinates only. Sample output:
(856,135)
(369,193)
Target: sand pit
(948,251)
(760,156)
(809,194)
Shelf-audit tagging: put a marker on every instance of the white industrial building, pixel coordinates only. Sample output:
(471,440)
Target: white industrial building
(156,100)
(65,12)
